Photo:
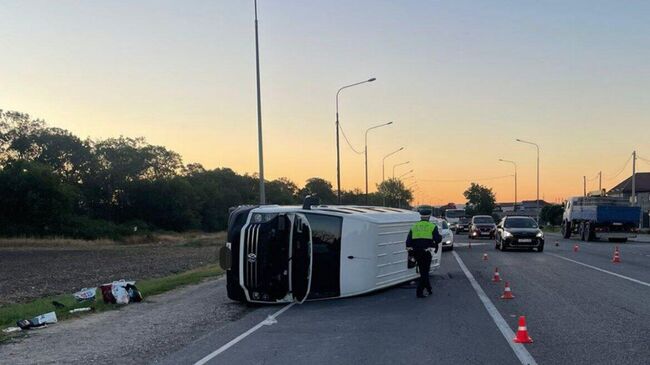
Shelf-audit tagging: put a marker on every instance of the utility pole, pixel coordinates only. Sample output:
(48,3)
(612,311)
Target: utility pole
(600,181)
(259,113)
(584,186)
(633,197)
(634,202)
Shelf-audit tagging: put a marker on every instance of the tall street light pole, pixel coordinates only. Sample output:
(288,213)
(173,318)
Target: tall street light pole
(259,113)
(338,150)
(537,147)
(383,161)
(515,165)
(366,152)
(399,164)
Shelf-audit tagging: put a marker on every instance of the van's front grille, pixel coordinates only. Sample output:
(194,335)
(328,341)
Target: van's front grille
(251,241)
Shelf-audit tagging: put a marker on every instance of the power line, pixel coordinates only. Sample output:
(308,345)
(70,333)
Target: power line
(643,159)
(593,178)
(620,171)
(348,141)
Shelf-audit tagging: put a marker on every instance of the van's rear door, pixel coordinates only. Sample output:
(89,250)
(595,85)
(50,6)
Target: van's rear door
(301,258)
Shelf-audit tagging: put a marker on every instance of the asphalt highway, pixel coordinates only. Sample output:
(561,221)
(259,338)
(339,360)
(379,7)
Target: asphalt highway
(580,308)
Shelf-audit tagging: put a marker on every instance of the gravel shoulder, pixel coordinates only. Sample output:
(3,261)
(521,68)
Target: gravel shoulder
(138,333)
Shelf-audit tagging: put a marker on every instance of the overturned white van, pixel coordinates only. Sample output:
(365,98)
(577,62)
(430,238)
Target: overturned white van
(280,254)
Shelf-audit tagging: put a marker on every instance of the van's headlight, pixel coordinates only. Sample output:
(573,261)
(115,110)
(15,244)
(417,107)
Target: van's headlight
(263,217)
(540,234)
(506,234)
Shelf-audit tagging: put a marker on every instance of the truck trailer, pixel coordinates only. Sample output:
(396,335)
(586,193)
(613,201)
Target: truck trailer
(595,217)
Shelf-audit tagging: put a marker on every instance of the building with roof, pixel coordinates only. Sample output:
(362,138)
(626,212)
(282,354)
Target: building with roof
(642,187)
(525,207)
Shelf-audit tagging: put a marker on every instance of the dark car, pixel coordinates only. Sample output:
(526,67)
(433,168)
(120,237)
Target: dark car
(462,225)
(519,232)
(482,226)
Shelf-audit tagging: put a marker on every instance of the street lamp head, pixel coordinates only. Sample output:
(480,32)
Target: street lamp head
(519,140)
(372,79)
(401,148)
(389,123)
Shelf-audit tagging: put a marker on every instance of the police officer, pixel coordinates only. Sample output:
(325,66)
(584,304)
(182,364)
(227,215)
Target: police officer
(423,238)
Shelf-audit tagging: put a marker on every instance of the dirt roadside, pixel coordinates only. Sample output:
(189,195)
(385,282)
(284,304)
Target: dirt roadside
(33,269)
(138,333)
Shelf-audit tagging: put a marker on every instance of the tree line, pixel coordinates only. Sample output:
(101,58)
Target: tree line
(54,183)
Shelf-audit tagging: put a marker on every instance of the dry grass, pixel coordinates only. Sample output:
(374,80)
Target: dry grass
(166,238)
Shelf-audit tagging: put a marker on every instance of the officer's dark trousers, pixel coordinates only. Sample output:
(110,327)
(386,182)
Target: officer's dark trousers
(423,259)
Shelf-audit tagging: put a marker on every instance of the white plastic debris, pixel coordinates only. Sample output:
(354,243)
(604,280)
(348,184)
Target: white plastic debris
(85,294)
(120,294)
(45,318)
(77,310)
(11,329)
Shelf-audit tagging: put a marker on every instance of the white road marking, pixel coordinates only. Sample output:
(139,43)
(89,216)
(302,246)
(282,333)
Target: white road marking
(462,244)
(267,322)
(601,270)
(520,351)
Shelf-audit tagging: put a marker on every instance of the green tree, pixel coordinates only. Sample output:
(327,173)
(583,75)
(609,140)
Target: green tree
(218,190)
(22,138)
(321,187)
(170,204)
(480,200)
(33,200)
(282,191)
(552,214)
(395,193)
(121,162)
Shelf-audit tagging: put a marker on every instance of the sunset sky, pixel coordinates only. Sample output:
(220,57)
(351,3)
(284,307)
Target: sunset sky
(461,80)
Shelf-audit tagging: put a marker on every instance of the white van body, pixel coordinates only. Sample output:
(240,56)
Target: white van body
(370,253)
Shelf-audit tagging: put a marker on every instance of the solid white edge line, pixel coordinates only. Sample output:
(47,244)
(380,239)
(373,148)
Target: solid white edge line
(520,351)
(601,270)
(269,320)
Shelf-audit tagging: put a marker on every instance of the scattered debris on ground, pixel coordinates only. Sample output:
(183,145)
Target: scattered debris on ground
(47,267)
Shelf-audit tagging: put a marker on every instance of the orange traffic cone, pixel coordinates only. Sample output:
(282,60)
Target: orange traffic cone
(617,256)
(496,278)
(522,332)
(485,257)
(575,248)
(507,293)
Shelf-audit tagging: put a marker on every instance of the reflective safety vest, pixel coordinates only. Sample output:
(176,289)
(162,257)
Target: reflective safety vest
(423,230)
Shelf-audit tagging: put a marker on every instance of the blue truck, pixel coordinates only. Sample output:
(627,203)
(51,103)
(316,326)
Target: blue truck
(595,217)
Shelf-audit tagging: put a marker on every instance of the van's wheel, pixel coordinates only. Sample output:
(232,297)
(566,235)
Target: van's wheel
(566,230)
(540,248)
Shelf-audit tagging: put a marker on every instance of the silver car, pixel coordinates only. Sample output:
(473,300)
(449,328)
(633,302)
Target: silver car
(445,231)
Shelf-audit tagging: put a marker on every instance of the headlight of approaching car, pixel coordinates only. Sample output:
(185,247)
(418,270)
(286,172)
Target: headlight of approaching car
(540,234)
(506,234)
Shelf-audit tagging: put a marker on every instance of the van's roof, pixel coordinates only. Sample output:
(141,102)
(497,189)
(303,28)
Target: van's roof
(367,213)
